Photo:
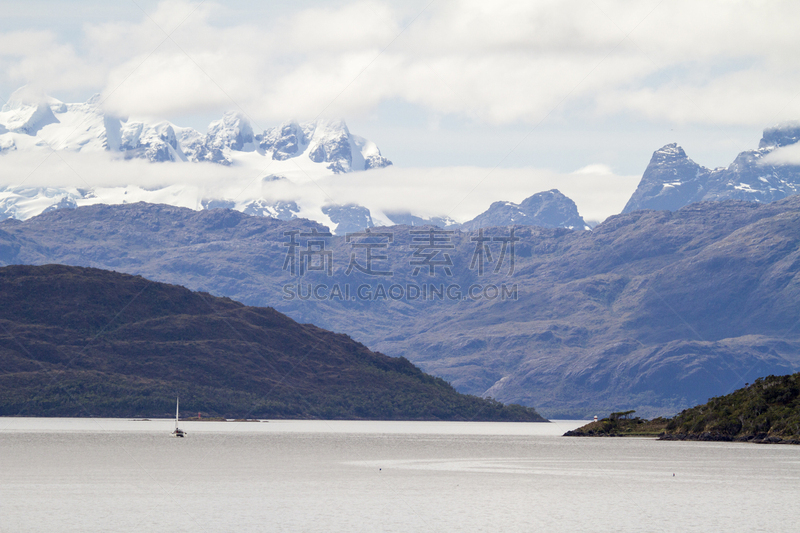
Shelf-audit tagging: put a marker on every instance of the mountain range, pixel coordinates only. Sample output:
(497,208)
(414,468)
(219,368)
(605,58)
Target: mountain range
(289,153)
(280,155)
(652,310)
(28,122)
(298,152)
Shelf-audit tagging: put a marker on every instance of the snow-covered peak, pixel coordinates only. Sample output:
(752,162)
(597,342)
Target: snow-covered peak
(233,131)
(94,100)
(27,112)
(327,142)
(156,143)
(370,152)
(27,96)
(285,141)
(671,150)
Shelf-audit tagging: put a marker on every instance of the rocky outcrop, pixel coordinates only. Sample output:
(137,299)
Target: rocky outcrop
(348,218)
(549,209)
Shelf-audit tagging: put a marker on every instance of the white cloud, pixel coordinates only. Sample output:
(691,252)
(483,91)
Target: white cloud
(464,192)
(716,62)
(458,192)
(785,155)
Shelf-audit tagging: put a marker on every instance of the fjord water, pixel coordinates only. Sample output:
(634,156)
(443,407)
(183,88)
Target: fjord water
(118,475)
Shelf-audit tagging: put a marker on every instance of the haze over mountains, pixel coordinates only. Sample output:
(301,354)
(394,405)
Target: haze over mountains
(653,310)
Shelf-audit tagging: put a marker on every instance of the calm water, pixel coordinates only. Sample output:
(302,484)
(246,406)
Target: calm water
(60,475)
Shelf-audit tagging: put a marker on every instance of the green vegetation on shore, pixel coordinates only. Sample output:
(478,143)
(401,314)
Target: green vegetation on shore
(621,424)
(768,411)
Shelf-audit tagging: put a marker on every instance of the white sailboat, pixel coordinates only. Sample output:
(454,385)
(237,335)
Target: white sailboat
(178,431)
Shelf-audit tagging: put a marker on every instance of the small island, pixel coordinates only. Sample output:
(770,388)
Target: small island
(621,424)
(768,411)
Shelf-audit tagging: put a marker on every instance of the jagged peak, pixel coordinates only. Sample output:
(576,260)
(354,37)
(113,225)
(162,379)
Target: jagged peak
(670,154)
(671,149)
(782,134)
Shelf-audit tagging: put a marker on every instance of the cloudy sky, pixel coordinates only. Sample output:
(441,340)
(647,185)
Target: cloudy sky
(517,97)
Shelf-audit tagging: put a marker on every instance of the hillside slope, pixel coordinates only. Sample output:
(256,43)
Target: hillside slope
(88,342)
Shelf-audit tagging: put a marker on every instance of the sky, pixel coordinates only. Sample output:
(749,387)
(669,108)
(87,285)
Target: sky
(479,100)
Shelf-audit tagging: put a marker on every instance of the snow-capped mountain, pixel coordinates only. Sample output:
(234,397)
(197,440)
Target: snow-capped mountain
(291,151)
(549,209)
(324,142)
(672,180)
(44,122)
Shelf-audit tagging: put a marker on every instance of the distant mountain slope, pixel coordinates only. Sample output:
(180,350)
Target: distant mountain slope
(88,342)
(653,311)
(548,209)
(672,180)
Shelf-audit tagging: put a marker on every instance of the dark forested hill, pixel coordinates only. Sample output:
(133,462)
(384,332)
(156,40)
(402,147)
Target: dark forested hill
(768,411)
(88,342)
(652,310)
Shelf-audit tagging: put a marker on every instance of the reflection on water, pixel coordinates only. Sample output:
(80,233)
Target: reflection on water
(121,475)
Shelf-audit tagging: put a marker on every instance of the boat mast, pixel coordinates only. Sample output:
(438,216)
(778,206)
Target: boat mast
(177,408)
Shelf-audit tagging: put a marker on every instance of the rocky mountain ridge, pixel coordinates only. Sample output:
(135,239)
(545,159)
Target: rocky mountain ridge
(548,209)
(672,180)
